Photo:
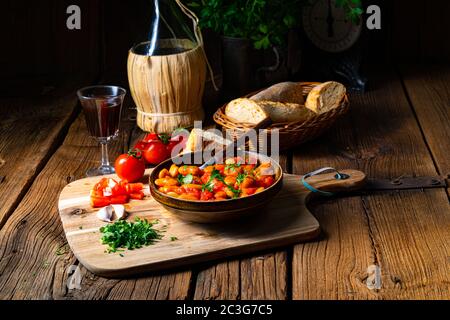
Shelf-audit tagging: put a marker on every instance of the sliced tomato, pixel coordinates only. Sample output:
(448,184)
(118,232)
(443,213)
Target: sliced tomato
(134,187)
(119,189)
(206,195)
(97,202)
(119,199)
(137,196)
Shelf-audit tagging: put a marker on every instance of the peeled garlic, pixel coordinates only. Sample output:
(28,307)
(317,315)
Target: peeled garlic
(119,211)
(112,212)
(105,213)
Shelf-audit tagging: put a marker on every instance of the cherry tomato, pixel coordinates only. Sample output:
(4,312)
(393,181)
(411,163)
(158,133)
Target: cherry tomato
(130,166)
(156,152)
(149,137)
(141,145)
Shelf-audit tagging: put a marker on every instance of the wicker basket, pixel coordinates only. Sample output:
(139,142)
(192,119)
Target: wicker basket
(291,134)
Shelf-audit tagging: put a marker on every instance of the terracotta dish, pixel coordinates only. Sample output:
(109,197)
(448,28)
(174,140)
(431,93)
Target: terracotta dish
(219,210)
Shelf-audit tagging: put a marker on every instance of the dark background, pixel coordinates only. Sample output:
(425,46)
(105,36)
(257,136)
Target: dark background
(39,51)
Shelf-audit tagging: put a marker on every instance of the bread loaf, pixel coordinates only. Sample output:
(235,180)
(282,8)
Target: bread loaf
(289,92)
(285,112)
(325,97)
(246,111)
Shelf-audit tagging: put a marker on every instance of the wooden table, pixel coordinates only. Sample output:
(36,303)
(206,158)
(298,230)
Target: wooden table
(399,128)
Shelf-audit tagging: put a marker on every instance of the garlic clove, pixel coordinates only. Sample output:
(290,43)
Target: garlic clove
(105,213)
(119,211)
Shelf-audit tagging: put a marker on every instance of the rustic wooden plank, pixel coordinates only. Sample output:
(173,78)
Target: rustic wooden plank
(30,130)
(404,233)
(34,257)
(263,276)
(428,87)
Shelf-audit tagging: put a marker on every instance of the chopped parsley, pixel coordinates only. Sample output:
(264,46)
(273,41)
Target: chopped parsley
(173,238)
(129,235)
(232,166)
(240,178)
(215,174)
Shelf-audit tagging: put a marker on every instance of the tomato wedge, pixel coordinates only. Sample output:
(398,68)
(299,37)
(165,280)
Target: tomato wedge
(137,196)
(97,202)
(119,199)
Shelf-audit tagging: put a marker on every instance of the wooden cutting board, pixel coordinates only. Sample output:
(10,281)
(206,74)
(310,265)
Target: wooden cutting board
(285,221)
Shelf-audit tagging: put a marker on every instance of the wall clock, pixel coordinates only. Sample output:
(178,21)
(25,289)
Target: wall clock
(334,43)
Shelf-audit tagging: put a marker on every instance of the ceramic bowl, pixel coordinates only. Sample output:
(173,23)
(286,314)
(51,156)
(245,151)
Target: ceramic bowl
(215,211)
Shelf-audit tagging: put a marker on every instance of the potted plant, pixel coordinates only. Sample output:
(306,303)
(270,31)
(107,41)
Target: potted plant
(251,31)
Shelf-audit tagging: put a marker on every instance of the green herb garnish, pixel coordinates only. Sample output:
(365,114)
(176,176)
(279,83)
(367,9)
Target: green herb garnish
(215,174)
(173,238)
(130,235)
(240,178)
(232,166)
(187,179)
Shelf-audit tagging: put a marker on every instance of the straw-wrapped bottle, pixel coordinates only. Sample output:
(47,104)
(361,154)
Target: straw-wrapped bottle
(167,72)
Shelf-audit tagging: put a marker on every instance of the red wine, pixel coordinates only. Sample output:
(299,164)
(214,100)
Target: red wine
(102,117)
(145,48)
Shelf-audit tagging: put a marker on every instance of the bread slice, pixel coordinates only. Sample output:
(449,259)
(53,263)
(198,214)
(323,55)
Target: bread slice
(285,112)
(289,92)
(325,97)
(244,110)
(200,140)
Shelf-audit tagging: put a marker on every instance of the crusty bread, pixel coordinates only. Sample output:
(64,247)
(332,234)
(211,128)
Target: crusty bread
(285,112)
(199,140)
(325,97)
(246,111)
(289,92)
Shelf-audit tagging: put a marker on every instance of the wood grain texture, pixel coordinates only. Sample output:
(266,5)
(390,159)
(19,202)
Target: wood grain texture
(429,92)
(34,254)
(391,230)
(284,221)
(30,130)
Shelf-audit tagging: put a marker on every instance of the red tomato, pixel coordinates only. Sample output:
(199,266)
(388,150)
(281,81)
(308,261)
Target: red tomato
(149,137)
(135,187)
(119,189)
(205,177)
(266,181)
(97,202)
(248,191)
(130,166)
(141,145)
(218,185)
(137,196)
(156,152)
(119,199)
(206,195)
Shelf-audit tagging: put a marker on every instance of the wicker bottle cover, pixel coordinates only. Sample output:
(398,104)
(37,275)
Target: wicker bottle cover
(167,73)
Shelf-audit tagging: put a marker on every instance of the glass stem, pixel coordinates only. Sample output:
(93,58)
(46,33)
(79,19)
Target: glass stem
(105,158)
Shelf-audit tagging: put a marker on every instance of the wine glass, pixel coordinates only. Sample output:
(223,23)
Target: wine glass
(102,106)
